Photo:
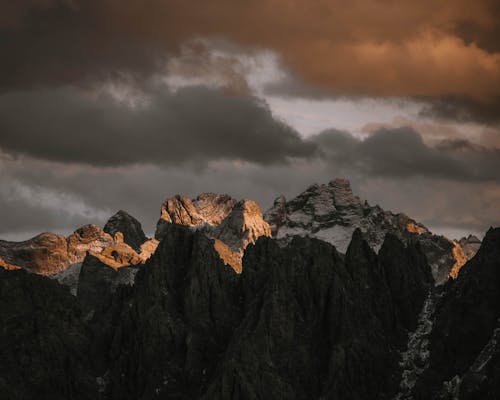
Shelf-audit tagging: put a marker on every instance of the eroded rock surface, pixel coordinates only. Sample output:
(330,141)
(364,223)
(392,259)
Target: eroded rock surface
(301,321)
(234,224)
(331,212)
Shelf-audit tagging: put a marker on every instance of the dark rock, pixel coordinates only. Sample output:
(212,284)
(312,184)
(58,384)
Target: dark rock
(129,227)
(98,281)
(315,325)
(466,320)
(408,278)
(301,321)
(43,341)
(177,321)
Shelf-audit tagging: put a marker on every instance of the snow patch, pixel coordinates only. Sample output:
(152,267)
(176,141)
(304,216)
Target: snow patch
(415,359)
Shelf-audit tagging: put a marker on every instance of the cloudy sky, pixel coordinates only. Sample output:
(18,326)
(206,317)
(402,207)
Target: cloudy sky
(119,104)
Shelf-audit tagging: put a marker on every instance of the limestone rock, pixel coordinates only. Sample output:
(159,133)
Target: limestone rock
(234,224)
(465,341)
(331,212)
(129,228)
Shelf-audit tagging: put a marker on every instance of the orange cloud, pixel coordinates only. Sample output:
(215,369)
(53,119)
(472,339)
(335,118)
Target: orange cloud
(361,47)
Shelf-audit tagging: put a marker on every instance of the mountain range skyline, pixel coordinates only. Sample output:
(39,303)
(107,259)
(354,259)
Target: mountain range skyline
(321,285)
(247,200)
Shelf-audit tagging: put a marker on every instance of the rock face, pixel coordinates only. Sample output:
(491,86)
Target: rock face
(48,253)
(98,281)
(327,212)
(331,213)
(44,343)
(464,344)
(470,245)
(233,224)
(335,317)
(122,244)
(294,318)
(129,228)
(300,321)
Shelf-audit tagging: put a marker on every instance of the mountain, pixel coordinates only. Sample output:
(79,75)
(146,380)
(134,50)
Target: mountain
(328,212)
(331,212)
(297,318)
(126,226)
(233,225)
(299,321)
(464,344)
(122,243)
(48,253)
(470,245)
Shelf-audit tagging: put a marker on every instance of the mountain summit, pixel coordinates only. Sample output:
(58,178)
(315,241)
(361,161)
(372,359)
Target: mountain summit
(328,212)
(328,298)
(331,212)
(232,224)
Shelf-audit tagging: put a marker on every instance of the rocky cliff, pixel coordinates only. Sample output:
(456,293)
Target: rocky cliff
(464,343)
(331,212)
(233,224)
(122,243)
(300,319)
(48,253)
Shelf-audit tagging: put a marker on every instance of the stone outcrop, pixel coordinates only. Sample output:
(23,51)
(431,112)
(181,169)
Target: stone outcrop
(464,344)
(301,321)
(233,224)
(44,343)
(470,245)
(48,253)
(126,226)
(331,212)
(122,243)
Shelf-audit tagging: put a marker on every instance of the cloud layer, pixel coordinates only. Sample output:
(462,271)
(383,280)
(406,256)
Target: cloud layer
(402,153)
(193,125)
(428,49)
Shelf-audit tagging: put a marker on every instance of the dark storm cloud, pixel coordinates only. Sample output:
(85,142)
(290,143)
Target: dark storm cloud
(197,125)
(194,124)
(450,50)
(20,217)
(401,153)
(484,35)
(462,110)
(72,42)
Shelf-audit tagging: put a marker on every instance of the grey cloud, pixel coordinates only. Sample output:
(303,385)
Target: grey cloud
(23,218)
(140,189)
(440,108)
(194,124)
(401,153)
(74,42)
(462,109)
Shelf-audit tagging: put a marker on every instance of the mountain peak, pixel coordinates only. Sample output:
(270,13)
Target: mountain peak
(331,212)
(232,224)
(341,184)
(122,226)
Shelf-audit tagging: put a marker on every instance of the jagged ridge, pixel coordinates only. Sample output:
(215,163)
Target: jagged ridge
(331,212)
